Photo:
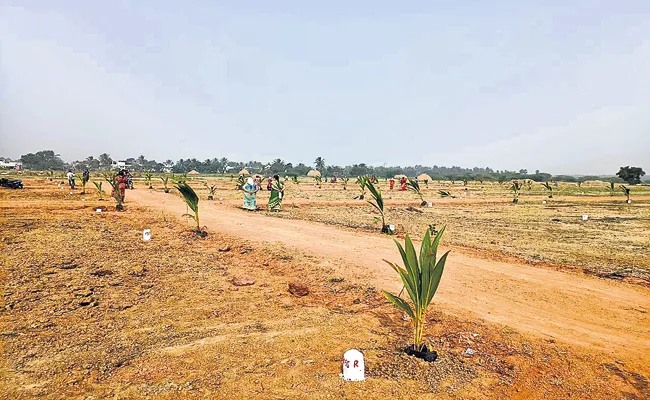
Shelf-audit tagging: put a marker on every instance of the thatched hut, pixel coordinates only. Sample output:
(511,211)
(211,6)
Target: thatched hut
(193,173)
(244,172)
(424,178)
(400,176)
(313,173)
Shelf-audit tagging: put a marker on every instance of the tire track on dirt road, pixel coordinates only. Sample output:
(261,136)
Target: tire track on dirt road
(608,316)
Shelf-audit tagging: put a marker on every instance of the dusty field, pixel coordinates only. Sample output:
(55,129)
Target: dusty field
(89,309)
(614,242)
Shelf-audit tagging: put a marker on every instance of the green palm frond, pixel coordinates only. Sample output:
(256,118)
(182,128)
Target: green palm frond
(421,278)
(192,201)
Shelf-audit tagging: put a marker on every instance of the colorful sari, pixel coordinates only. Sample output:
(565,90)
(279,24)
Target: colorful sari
(250,197)
(277,194)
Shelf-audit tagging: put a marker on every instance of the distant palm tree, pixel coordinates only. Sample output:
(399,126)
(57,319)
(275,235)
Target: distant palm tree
(319,163)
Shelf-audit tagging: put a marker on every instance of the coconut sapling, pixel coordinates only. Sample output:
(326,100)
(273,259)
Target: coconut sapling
(192,201)
(98,185)
(148,174)
(414,186)
(115,193)
(345,180)
(378,203)
(164,180)
(549,188)
(212,189)
(421,278)
(626,192)
(516,188)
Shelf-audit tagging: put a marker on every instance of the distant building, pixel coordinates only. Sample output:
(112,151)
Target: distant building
(17,165)
(120,164)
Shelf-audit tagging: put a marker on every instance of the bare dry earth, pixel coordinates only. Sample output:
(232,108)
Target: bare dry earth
(596,313)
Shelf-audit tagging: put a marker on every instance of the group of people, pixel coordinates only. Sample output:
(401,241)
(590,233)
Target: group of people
(402,183)
(254,185)
(70,175)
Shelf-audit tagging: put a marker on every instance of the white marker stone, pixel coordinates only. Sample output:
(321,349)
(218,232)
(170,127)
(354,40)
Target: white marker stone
(629,202)
(543,201)
(430,204)
(98,210)
(353,367)
(585,217)
(391,227)
(146,234)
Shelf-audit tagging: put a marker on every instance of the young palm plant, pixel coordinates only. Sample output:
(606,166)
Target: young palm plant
(318,180)
(421,278)
(110,177)
(192,201)
(294,179)
(84,180)
(626,192)
(345,180)
(212,189)
(516,188)
(549,188)
(445,193)
(363,183)
(379,205)
(98,185)
(611,188)
(413,185)
(148,174)
(164,180)
(240,182)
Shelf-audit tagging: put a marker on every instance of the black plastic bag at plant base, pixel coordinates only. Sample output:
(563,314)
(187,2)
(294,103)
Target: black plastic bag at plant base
(425,354)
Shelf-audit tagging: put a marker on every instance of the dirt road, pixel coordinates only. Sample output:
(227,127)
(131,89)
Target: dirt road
(608,316)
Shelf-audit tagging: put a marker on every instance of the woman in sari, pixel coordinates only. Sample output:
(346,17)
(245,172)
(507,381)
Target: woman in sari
(277,194)
(250,195)
(120,178)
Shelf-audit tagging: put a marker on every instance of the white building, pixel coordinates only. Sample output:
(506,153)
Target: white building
(17,165)
(120,164)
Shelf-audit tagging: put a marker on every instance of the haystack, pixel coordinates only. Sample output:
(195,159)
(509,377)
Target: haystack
(313,173)
(400,176)
(424,177)
(193,172)
(244,172)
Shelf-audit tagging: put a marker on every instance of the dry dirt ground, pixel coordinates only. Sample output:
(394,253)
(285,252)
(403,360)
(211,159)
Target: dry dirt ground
(90,310)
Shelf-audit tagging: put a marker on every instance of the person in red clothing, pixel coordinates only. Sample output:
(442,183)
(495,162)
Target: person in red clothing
(120,178)
(392,183)
(402,183)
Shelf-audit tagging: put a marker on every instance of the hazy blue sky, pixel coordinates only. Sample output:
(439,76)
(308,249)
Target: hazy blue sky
(561,86)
